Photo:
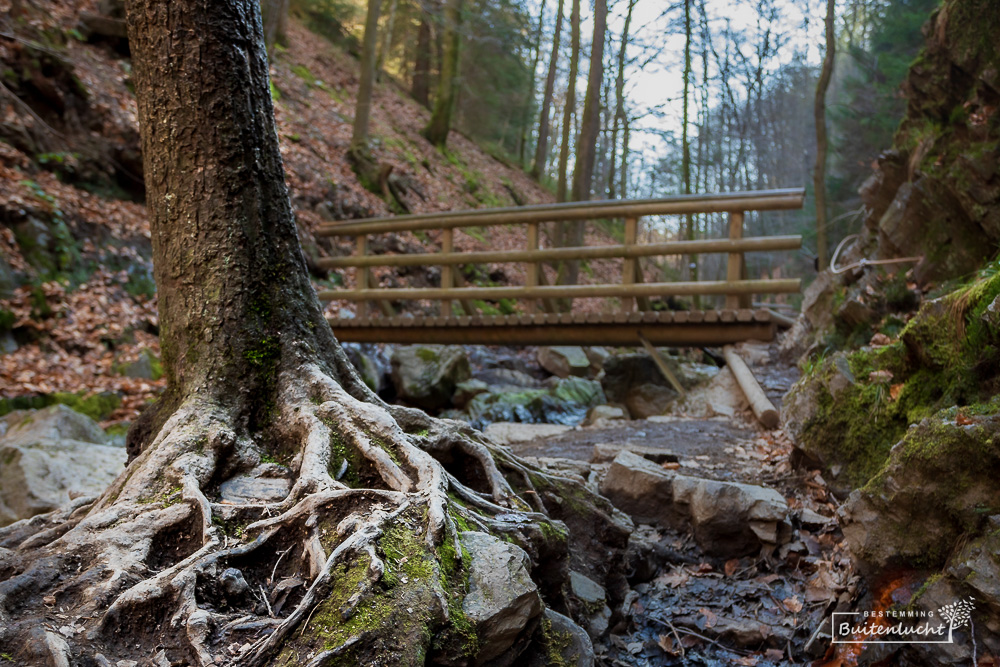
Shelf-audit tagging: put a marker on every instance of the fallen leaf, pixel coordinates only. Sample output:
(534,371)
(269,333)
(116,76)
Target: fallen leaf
(774,654)
(895,390)
(962,420)
(731,566)
(670,465)
(674,579)
(748,660)
(793,604)
(666,642)
(710,618)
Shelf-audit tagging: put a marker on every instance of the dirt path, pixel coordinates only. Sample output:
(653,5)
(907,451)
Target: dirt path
(687,608)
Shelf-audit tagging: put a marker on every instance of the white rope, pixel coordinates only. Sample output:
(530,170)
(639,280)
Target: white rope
(862,263)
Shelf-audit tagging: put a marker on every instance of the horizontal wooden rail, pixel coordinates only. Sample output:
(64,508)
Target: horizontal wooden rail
(754,244)
(568,291)
(765,200)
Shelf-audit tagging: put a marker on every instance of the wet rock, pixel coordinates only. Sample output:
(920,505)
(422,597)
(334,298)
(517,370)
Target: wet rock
(502,599)
(466,391)
(592,608)
(507,377)
(601,414)
(564,361)
(597,357)
(371,363)
(565,402)
(426,375)
(727,518)
(560,641)
(48,457)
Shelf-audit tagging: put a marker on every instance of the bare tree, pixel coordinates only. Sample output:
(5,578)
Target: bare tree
(819,113)
(542,144)
(444,103)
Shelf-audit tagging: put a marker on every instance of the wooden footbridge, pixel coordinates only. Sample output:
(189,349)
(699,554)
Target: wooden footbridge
(628,317)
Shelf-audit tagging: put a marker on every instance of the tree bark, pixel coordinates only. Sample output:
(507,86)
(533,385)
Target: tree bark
(363,106)
(421,88)
(570,107)
(529,102)
(619,100)
(275,16)
(339,490)
(542,145)
(439,125)
(819,113)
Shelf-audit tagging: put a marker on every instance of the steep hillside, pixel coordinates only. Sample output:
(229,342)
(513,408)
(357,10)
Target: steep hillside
(77,302)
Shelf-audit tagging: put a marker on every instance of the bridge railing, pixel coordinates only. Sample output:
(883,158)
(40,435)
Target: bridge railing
(631,290)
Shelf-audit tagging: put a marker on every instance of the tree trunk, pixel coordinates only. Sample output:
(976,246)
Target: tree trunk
(275,16)
(421,88)
(570,107)
(686,144)
(542,145)
(619,100)
(363,107)
(267,465)
(386,45)
(530,100)
(437,129)
(819,113)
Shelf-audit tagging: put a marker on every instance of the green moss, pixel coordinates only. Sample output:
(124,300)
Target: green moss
(303,73)
(171,496)
(427,354)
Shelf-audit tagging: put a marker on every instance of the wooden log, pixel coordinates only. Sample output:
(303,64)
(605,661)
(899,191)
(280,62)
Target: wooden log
(662,365)
(764,200)
(765,411)
(447,279)
(629,267)
(784,285)
(734,267)
(752,244)
(782,321)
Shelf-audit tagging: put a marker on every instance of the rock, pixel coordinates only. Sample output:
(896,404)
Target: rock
(564,403)
(601,414)
(939,477)
(605,452)
(597,356)
(502,599)
(242,490)
(506,433)
(56,422)
(648,400)
(146,367)
(48,457)
(426,375)
(592,608)
(233,583)
(8,345)
(507,377)
(728,519)
(564,361)
(371,364)
(560,641)
(855,313)
(466,391)
(565,467)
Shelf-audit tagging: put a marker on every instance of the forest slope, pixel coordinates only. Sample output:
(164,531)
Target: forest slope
(77,301)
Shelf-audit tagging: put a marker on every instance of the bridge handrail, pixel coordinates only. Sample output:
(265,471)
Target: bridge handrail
(730,202)
(735,287)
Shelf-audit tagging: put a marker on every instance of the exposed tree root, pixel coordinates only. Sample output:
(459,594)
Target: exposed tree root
(162,559)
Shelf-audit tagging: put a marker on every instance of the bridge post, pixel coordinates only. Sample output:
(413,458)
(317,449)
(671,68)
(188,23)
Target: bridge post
(363,273)
(630,264)
(533,268)
(734,268)
(447,270)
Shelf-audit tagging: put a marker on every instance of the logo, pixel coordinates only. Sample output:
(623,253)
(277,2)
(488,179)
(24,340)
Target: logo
(902,626)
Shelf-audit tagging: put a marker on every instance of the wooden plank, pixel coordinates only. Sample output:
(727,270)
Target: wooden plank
(696,316)
(447,270)
(764,200)
(662,365)
(759,403)
(681,316)
(734,266)
(629,268)
(533,268)
(709,246)
(363,275)
(568,291)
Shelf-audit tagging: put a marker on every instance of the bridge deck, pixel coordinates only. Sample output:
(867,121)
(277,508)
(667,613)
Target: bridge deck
(667,328)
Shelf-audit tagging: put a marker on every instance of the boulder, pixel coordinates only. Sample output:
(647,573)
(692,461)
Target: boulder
(48,457)
(426,375)
(648,400)
(601,414)
(565,403)
(502,600)
(466,391)
(560,641)
(591,608)
(507,433)
(564,361)
(728,519)
(597,356)
(371,363)
(605,452)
